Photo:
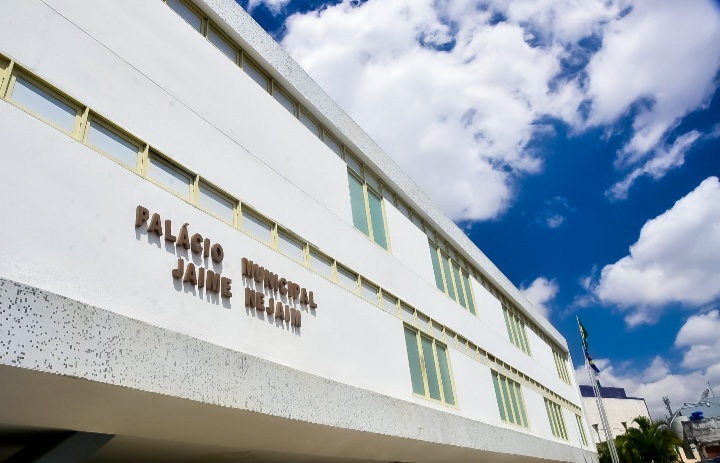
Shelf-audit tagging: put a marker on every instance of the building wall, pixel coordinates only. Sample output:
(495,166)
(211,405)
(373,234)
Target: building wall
(72,216)
(618,410)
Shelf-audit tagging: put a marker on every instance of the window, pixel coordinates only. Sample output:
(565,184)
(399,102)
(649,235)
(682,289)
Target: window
(561,366)
(516,330)
(367,211)
(223,45)
(169,176)
(45,104)
(254,73)
(347,279)
(321,264)
(429,367)
(451,278)
(510,400)
(369,292)
(557,421)
(583,436)
(216,203)
(291,247)
(309,123)
(110,142)
(332,144)
(389,303)
(186,13)
(256,227)
(283,99)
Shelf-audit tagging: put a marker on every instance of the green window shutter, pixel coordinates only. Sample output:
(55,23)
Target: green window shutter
(448,276)
(445,374)
(521,405)
(436,267)
(414,361)
(357,202)
(498,396)
(377,219)
(430,368)
(458,285)
(468,293)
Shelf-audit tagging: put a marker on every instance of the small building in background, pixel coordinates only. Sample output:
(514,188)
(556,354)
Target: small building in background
(701,432)
(620,409)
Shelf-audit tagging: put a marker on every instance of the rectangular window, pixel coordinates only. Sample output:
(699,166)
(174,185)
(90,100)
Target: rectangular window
(48,106)
(407,313)
(309,123)
(450,289)
(353,164)
(284,100)
(516,331)
(469,294)
(583,436)
(186,13)
(510,400)
(216,204)
(458,286)
(321,264)
(357,203)
(429,367)
(561,366)
(367,211)
(111,143)
(332,144)
(369,292)
(436,267)
(170,177)
(423,322)
(291,247)
(347,279)
(389,303)
(255,74)
(557,421)
(257,227)
(223,45)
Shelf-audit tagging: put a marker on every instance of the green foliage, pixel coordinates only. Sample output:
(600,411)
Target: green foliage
(650,442)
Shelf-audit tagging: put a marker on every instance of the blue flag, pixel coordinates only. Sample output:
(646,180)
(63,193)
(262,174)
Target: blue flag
(590,361)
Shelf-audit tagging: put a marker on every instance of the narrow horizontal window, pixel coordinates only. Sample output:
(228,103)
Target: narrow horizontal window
(170,177)
(388,195)
(44,104)
(256,227)
(407,313)
(437,331)
(216,204)
(291,247)
(223,45)
(186,13)
(309,123)
(332,144)
(284,100)
(110,142)
(372,181)
(347,279)
(321,264)
(369,292)
(389,303)
(353,164)
(403,209)
(423,322)
(255,74)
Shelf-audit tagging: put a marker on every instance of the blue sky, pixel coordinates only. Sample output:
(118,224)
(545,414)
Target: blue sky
(577,142)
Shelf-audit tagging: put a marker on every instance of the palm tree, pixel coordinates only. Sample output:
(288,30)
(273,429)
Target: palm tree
(650,442)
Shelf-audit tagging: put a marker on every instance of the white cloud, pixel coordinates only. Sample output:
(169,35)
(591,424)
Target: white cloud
(675,259)
(540,292)
(701,336)
(657,166)
(275,6)
(659,61)
(456,91)
(654,382)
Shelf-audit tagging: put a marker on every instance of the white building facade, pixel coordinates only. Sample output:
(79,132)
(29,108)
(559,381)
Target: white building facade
(205,259)
(621,410)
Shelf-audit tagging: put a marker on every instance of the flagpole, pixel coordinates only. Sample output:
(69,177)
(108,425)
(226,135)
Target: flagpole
(598,397)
